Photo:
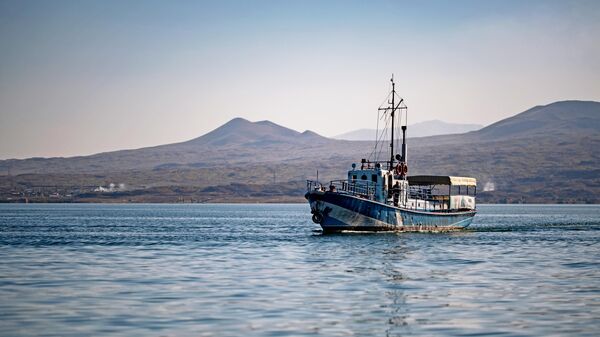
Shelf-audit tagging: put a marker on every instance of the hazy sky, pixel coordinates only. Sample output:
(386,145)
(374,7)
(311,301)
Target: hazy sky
(80,77)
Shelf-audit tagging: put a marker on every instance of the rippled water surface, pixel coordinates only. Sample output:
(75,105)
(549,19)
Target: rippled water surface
(265,270)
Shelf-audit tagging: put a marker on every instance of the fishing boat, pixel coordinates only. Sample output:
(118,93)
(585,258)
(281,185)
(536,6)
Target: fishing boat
(379,195)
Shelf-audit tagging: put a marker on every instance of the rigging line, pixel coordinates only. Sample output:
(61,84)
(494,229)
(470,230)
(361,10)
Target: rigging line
(397,131)
(401,108)
(381,139)
(399,125)
(379,135)
(406,116)
(374,146)
(387,97)
(376,134)
(377,130)
(386,100)
(381,108)
(378,141)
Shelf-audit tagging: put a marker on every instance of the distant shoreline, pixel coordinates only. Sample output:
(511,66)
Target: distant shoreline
(241,202)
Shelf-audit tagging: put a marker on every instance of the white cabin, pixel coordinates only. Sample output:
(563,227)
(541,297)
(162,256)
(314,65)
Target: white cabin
(426,193)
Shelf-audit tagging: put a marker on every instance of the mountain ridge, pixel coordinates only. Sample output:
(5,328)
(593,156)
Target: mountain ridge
(544,154)
(219,144)
(240,131)
(585,115)
(421,129)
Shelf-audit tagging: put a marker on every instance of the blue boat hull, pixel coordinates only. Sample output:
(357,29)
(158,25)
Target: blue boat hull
(343,212)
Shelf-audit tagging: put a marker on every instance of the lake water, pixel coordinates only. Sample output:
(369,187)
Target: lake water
(265,270)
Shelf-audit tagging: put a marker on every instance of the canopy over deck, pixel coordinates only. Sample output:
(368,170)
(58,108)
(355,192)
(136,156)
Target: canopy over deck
(442,180)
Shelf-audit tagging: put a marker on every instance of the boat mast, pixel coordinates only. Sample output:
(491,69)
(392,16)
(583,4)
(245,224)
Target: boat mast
(393,110)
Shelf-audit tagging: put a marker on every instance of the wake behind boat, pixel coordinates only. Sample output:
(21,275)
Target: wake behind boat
(380,196)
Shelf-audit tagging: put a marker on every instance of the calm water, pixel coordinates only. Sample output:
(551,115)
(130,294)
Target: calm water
(264,270)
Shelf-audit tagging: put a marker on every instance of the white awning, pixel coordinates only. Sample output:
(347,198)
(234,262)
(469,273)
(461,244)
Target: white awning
(442,180)
(463,181)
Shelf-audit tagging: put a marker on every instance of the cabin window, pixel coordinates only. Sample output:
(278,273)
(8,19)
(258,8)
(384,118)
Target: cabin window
(374,178)
(363,177)
(354,177)
(462,190)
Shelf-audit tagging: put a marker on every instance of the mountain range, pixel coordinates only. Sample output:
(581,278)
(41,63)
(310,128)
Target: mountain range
(547,154)
(422,129)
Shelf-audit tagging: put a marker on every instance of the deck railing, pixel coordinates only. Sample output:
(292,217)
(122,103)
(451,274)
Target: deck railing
(420,193)
(363,189)
(423,199)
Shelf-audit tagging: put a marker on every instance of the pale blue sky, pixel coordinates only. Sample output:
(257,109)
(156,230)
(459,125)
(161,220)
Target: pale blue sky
(80,77)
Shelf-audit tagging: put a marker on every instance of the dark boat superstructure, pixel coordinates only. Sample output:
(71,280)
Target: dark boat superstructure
(374,198)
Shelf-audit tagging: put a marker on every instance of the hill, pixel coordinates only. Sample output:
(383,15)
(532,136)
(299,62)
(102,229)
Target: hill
(545,154)
(235,143)
(241,132)
(560,118)
(422,129)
